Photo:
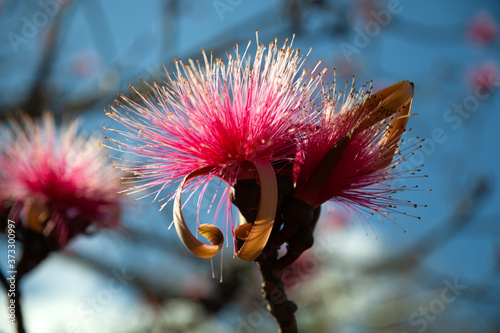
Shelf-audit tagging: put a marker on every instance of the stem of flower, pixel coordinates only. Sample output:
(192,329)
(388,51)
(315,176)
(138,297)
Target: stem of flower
(36,248)
(16,296)
(274,292)
(294,224)
(271,268)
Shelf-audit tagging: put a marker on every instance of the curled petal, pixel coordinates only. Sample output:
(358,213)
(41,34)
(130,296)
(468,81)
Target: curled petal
(35,215)
(390,139)
(255,235)
(209,231)
(398,124)
(256,239)
(242,232)
(393,101)
(212,233)
(401,100)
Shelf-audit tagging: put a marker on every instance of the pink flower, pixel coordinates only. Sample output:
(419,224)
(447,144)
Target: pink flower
(484,78)
(235,121)
(58,181)
(483,29)
(349,155)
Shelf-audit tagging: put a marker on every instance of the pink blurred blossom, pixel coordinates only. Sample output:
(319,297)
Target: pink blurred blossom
(59,182)
(484,76)
(483,29)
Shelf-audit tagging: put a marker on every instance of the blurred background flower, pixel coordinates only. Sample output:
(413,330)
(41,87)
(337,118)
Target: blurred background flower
(394,282)
(56,183)
(483,29)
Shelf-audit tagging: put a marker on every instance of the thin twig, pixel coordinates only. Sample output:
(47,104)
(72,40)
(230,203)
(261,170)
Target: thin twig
(15,298)
(273,291)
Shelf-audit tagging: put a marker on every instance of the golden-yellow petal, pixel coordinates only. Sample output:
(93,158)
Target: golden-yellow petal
(260,230)
(209,231)
(36,215)
(242,232)
(253,236)
(392,101)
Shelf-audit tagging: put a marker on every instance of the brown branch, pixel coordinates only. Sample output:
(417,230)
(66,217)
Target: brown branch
(271,269)
(273,291)
(293,224)
(37,99)
(15,298)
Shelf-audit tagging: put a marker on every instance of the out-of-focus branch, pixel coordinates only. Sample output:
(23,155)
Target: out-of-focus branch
(264,19)
(14,297)
(37,98)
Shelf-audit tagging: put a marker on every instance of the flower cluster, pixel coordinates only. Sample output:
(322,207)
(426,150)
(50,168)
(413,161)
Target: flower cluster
(275,133)
(56,183)
(348,155)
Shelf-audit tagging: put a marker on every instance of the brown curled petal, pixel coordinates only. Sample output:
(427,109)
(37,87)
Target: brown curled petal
(35,214)
(398,124)
(390,139)
(386,103)
(210,232)
(241,234)
(261,229)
